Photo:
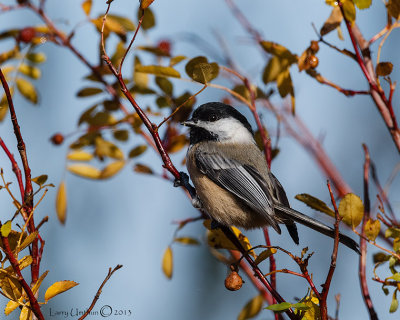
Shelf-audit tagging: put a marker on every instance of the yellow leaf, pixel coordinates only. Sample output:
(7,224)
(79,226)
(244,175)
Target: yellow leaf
(265,255)
(167,263)
(87,6)
(36,286)
(85,171)
(112,169)
(351,209)
(186,240)
(27,89)
(176,60)
(372,228)
(61,203)
(28,240)
(217,239)
(158,70)
(252,308)
(79,155)
(30,71)
(10,307)
(6,229)
(108,149)
(58,287)
(26,314)
(349,10)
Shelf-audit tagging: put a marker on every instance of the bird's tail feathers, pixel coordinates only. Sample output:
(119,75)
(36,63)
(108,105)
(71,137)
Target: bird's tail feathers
(299,217)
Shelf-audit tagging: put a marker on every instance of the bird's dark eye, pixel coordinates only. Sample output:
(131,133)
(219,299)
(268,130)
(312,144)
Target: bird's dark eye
(213,117)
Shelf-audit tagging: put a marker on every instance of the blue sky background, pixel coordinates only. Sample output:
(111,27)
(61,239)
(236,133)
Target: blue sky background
(127,220)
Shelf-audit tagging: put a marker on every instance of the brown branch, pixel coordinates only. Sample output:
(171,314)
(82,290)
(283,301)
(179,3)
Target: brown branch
(326,285)
(98,293)
(14,263)
(363,243)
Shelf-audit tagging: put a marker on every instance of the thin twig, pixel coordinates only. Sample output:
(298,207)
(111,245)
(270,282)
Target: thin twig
(98,293)
(326,285)
(363,243)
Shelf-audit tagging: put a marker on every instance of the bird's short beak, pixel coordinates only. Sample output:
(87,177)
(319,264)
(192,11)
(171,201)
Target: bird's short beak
(189,123)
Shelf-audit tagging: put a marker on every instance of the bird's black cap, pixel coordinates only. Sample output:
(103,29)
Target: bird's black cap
(213,111)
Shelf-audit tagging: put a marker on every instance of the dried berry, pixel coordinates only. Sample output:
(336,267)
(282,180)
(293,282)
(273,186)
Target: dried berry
(57,139)
(233,281)
(312,61)
(314,46)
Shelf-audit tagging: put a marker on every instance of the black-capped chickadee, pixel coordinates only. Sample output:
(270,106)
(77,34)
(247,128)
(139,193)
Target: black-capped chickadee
(231,177)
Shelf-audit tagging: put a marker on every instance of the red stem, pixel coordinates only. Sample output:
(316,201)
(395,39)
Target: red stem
(363,242)
(28,193)
(14,263)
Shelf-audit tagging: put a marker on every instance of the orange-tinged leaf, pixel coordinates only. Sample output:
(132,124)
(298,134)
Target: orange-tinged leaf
(59,287)
(85,171)
(79,155)
(61,202)
(87,6)
(10,307)
(141,168)
(351,209)
(112,169)
(252,308)
(145,3)
(167,263)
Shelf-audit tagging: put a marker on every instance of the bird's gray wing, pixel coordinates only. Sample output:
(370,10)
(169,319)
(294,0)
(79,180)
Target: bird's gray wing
(237,179)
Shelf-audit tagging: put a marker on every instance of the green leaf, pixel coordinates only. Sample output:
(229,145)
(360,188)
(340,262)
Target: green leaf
(40,180)
(6,229)
(158,71)
(393,7)
(349,10)
(392,233)
(363,4)
(252,308)
(30,71)
(149,21)
(351,209)
(200,70)
(301,306)
(265,254)
(279,306)
(384,68)
(27,90)
(395,303)
(86,92)
(395,277)
(315,203)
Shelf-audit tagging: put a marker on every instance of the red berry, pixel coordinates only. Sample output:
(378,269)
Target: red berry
(165,46)
(27,34)
(57,139)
